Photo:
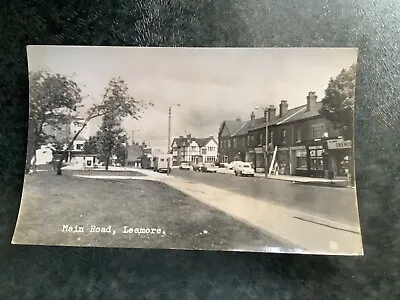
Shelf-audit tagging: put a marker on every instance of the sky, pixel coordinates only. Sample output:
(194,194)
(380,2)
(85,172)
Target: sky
(210,84)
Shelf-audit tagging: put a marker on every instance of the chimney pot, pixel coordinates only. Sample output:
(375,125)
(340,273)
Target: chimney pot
(283,108)
(238,119)
(252,118)
(311,100)
(271,112)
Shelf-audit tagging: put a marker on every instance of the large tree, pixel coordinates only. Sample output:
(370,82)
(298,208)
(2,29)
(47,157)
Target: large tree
(117,104)
(52,99)
(91,146)
(110,135)
(338,102)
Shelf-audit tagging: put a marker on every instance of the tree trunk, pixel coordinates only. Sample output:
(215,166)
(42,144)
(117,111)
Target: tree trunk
(108,159)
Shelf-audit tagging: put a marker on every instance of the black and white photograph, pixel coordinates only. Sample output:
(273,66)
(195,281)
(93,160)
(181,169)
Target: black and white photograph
(224,149)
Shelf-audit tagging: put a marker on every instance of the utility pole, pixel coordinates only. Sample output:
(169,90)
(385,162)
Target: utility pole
(266,117)
(169,137)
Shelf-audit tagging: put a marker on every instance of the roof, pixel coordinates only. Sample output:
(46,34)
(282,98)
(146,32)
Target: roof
(234,125)
(186,141)
(293,115)
(247,126)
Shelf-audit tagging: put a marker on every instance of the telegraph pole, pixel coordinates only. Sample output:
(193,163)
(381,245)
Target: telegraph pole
(169,137)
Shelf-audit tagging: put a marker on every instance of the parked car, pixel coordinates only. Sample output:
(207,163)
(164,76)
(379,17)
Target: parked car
(244,169)
(197,167)
(209,168)
(184,166)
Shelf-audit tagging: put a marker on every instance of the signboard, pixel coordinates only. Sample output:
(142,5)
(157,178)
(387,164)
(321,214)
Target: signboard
(315,147)
(258,150)
(298,148)
(339,144)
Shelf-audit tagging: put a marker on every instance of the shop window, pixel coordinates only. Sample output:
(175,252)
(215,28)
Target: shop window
(301,159)
(316,160)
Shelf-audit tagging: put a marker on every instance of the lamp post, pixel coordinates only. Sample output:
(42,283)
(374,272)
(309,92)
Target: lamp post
(265,109)
(169,136)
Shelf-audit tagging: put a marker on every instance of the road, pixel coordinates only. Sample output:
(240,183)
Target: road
(336,204)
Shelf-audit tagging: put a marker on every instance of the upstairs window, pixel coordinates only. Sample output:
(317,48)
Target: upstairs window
(283,136)
(317,131)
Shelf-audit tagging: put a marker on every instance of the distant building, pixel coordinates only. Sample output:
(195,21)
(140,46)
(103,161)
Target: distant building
(135,153)
(193,150)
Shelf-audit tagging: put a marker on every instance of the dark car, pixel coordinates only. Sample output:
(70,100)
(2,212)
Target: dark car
(197,167)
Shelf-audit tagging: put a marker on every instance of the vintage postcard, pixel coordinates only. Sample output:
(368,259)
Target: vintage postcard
(228,149)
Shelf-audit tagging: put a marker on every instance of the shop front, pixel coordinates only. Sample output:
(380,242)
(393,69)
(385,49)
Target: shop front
(282,161)
(259,161)
(341,155)
(309,159)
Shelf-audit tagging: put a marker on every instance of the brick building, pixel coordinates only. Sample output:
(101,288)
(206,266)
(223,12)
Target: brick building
(306,143)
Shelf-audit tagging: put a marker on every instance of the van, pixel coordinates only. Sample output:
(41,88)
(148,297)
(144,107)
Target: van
(161,163)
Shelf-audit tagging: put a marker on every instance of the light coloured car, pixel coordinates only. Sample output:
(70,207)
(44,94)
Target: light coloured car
(244,169)
(184,166)
(209,168)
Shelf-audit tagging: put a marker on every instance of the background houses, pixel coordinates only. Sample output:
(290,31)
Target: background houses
(307,143)
(194,150)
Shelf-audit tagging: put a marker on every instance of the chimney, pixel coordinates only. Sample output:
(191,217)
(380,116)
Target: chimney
(252,118)
(271,112)
(238,119)
(311,100)
(283,108)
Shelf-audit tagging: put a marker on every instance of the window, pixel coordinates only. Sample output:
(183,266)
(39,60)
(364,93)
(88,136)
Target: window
(260,139)
(193,148)
(229,143)
(316,159)
(203,151)
(234,143)
(301,161)
(298,134)
(244,141)
(248,140)
(251,139)
(211,148)
(211,158)
(79,146)
(317,131)
(283,136)
(271,137)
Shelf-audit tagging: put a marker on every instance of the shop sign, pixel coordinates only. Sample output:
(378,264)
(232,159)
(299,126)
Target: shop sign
(298,148)
(339,144)
(258,150)
(283,149)
(315,147)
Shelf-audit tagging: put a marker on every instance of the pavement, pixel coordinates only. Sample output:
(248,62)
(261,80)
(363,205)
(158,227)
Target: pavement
(305,229)
(294,179)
